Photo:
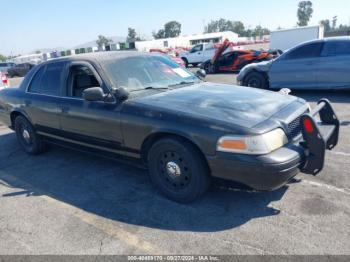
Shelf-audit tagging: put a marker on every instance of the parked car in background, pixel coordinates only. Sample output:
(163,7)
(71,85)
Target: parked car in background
(234,61)
(20,70)
(3,80)
(146,107)
(198,54)
(4,66)
(317,64)
(171,55)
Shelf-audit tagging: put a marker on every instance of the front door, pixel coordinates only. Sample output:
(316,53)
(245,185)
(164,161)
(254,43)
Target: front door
(298,68)
(195,55)
(94,124)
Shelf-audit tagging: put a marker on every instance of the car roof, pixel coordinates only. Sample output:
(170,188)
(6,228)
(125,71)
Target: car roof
(329,39)
(100,56)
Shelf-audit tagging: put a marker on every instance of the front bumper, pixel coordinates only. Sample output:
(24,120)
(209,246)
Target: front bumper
(271,171)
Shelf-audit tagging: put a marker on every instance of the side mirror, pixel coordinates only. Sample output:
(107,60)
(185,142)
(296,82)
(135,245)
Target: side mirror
(94,94)
(201,73)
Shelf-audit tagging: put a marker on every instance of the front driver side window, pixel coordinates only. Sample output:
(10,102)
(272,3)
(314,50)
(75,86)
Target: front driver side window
(197,48)
(312,50)
(80,78)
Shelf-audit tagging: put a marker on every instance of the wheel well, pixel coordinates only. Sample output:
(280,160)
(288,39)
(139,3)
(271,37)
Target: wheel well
(184,59)
(258,72)
(13,116)
(150,140)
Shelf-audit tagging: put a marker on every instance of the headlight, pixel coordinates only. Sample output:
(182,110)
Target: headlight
(253,145)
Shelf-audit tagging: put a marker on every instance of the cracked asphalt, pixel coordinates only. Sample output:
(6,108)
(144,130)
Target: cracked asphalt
(68,202)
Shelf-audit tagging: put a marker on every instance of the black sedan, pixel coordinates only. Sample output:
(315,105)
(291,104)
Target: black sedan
(20,70)
(185,130)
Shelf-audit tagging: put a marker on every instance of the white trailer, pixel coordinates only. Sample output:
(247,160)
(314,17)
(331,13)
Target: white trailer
(288,38)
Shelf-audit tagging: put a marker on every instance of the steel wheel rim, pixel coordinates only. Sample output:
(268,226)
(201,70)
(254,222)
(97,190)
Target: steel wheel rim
(174,171)
(26,135)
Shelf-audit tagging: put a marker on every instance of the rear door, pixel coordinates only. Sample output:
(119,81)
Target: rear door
(94,124)
(298,68)
(334,69)
(43,94)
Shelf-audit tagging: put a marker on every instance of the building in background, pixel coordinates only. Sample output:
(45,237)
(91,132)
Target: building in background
(185,41)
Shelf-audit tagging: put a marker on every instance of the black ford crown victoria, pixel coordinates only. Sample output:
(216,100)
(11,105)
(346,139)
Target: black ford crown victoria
(183,129)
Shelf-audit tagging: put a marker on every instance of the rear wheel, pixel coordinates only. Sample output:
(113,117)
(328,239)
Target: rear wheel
(209,68)
(178,170)
(185,61)
(255,79)
(27,138)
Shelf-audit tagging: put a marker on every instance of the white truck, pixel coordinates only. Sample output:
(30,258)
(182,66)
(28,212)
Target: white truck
(288,38)
(198,54)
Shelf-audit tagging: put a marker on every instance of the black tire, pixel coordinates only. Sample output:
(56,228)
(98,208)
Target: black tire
(178,170)
(209,68)
(255,79)
(185,61)
(27,137)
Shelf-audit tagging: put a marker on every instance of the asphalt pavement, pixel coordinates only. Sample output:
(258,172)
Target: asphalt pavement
(68,202)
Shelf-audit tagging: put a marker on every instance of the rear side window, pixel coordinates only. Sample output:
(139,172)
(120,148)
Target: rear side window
(337,48)
(306,51)
(35,84)
(48,80)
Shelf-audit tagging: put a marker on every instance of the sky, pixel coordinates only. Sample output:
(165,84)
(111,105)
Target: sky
(27,25)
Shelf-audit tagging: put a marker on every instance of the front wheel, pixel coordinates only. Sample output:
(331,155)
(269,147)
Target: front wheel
(27,137)
(255,79)
(185,61)
(178,170)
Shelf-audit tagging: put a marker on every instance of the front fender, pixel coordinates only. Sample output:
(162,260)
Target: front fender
(18,111)
(263,67)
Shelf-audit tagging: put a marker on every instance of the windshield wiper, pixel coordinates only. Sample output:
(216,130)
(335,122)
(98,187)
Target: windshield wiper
(182,83)
(150,88)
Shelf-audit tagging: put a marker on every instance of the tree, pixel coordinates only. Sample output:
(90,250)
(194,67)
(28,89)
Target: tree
(326,24)
(220,25)
(102,41)
(238,27)
(334,22)
(171,29)
(132,36)
(3,58)
(260,31)
(304,13)
(159,35)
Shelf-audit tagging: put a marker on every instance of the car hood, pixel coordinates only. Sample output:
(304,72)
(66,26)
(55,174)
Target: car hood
(236,105)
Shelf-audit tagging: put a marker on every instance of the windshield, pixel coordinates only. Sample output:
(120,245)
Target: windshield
(145,72)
